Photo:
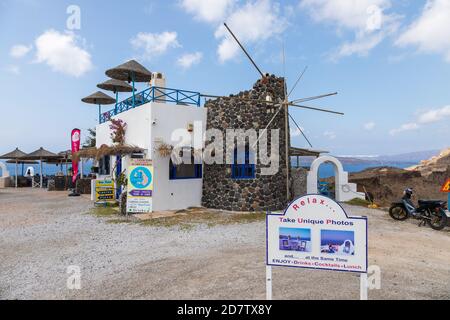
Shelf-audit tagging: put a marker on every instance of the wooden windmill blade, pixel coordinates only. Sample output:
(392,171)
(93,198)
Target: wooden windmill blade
(316,109)
(243,49)
(314,97)
(301,131)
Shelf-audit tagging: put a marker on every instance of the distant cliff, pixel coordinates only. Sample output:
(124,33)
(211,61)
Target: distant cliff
(387,184)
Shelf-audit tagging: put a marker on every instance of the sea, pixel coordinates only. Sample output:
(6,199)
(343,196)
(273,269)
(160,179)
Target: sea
(325,171)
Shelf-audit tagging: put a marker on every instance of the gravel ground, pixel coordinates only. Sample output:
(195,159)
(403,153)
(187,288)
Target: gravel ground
(43,233)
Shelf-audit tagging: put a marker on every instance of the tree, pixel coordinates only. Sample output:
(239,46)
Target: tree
(90,139)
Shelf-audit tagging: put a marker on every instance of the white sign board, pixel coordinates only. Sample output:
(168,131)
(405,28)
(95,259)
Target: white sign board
(140,186)
(315,232)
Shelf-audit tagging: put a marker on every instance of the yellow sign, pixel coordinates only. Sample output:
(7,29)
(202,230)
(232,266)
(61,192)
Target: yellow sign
(446,186)
(104,191)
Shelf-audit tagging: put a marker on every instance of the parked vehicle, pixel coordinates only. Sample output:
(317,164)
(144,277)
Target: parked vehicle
(431,212)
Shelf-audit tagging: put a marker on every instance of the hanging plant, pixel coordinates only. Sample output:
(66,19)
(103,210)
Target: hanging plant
(164,150)
(118,128)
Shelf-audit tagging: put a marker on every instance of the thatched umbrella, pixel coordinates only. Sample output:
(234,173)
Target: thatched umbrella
(115,86)
(41,154)
(99,98)
(15,155)
(131,71)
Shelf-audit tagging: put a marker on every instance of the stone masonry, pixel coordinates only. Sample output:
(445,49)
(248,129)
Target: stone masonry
(264,192)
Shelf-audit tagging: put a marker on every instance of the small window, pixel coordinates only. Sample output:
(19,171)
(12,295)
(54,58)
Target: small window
(241,170)
(185,170)
(104,165)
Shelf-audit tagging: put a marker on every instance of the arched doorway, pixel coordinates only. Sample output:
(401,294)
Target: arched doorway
(345,191)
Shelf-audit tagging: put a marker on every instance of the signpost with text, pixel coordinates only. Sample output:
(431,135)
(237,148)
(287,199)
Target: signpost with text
(315,232)
(446,189)
(140,186)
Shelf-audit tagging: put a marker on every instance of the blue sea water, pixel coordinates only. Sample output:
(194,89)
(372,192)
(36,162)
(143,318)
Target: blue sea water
(325,171)
(47,169)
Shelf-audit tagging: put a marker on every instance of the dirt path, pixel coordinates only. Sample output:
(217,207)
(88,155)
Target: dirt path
(42,233)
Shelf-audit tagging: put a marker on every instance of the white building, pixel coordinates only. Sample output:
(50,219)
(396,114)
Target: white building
(159,113)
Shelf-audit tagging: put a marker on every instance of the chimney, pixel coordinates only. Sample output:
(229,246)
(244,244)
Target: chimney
(159,82)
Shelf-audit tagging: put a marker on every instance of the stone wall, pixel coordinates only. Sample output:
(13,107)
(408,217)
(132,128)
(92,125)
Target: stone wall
(220,191)
(298,176)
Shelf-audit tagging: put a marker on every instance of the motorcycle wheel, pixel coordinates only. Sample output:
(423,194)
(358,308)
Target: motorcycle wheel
(398,212)
(438,221)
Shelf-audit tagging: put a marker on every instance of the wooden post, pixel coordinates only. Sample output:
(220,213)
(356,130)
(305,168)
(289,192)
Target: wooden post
(16,173)
(40,178)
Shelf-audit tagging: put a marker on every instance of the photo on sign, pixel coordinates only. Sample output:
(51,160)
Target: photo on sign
(337,242)
(294,239)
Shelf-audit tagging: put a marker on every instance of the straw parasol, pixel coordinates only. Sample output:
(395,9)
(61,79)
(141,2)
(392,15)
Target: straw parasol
(131,71)
(115,86)
(15,155)
(99,98)
(42,155)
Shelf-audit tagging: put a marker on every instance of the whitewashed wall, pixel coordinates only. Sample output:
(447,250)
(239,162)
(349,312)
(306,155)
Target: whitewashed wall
(146,126)
(174,194)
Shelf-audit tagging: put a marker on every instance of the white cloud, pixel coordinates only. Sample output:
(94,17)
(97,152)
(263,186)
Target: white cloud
(434,115)
(369,126)
(406,127)
(252,23)
(13,69)
(365,18)
(330,135)
(155,44)
(208,10)
(295,132)
(430,33)
(61,52)
(19,51)
(187,60)
(424,118)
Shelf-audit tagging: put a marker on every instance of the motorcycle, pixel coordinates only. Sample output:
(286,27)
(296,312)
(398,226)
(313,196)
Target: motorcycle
(431,212)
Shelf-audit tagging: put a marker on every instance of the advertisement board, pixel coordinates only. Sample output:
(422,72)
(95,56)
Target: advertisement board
(104,191)
(315,232)
(140,186)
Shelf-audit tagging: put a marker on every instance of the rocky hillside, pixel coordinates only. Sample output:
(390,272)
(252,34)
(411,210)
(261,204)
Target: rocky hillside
(387,184)
(438,163)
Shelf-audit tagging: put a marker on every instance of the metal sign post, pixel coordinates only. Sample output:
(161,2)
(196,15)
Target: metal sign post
(268,282)
(363,286)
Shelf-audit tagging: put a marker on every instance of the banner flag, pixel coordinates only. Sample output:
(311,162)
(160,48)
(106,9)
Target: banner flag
(75,138)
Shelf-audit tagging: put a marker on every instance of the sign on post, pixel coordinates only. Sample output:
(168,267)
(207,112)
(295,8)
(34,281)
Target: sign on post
(140,186)
(104,191)
(315,232)
(446,187)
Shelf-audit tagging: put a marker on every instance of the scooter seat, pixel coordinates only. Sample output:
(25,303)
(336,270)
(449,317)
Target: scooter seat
(429,202)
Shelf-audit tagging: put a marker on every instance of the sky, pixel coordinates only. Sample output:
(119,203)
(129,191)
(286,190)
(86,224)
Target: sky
(389,61)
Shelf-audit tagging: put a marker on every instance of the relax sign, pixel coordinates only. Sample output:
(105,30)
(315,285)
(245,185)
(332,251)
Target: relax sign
(315,232)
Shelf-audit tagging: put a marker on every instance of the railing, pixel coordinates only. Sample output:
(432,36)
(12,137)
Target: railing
(153,94)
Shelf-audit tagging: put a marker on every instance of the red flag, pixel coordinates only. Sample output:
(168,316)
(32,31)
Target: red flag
(75,138)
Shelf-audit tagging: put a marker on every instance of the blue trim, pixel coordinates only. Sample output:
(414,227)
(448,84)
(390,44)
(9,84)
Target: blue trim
(198,174)
(244,171)
(153,94)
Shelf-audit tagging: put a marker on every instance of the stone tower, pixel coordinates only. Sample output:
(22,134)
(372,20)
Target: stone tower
(262,192)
